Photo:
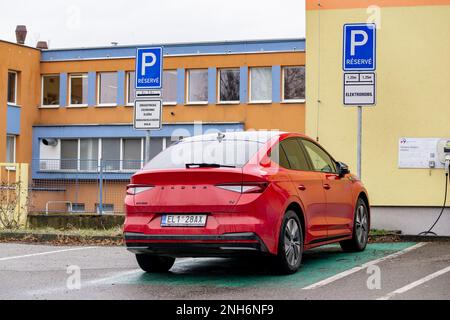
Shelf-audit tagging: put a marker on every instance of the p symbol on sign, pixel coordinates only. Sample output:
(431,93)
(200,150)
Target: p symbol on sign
(147,63)
(355,42)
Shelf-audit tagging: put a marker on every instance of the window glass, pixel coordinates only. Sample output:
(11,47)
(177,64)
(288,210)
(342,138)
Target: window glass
(78,89)
(10,149)
(111,154)
(156,146)
(170,86)
(12,87)
(107,88)
(321,161)
(89,154)
(260,84)
(131,87)
(294,83)
(50,90)
(198,85)
(77,207)
(229,85)
(294,153)
(228,152)
(278,156)
(69,154)
(107,208)
(131,154)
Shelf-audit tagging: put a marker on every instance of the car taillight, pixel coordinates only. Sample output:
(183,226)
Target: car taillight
(246,187)
(135,189)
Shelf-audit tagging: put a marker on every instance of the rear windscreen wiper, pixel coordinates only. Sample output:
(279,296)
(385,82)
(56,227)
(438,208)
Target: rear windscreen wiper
(207,165)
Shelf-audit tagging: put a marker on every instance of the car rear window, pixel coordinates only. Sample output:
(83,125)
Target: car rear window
(234,153)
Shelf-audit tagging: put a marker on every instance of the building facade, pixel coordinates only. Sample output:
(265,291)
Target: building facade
(413,97)
(72,118)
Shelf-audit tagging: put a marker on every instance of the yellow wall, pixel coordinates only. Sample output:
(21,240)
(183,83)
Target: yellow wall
(413,95)
(283,116)
(26,61)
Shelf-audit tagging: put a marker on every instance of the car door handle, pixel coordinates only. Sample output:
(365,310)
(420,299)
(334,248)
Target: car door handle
(301,187)
(326,186)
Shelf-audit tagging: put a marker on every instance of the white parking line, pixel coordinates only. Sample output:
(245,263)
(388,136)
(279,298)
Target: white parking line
(45,253)
(415,284)
(361,267)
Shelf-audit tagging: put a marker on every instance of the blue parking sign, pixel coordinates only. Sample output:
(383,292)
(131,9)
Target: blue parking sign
(359,47)
(149,68)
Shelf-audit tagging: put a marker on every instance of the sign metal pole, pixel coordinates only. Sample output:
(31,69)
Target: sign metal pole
(147,146)
(359,142)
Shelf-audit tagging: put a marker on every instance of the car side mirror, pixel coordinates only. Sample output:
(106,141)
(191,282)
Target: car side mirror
(342,169)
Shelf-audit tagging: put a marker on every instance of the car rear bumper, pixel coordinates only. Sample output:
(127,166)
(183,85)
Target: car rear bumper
(225,245)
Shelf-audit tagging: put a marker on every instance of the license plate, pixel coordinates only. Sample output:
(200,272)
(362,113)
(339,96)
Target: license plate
(183,220)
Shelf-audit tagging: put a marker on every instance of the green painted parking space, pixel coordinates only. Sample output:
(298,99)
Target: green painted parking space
(318,264)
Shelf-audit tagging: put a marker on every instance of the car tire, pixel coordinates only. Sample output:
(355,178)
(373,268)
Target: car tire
(360,235)
(290,245)
(154,264)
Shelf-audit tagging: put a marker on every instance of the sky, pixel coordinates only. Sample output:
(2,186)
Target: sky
(86,23)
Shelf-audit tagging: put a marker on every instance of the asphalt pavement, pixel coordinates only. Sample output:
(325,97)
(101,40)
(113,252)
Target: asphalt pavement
(384,271)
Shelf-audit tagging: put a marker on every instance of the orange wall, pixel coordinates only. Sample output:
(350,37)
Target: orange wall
(26,61)
(281,116)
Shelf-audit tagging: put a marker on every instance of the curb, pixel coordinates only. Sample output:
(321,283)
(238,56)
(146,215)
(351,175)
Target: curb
(59,238)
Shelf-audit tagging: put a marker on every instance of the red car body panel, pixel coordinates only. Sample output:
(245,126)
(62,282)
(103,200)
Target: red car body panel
(326,204)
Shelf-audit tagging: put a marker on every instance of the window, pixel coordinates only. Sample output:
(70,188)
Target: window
(278,156)
(132,154)
(229,80)
(320,160)
(50,90)
(198,86)
(10,149)
(156,146)
(88,154)
(228,152)
(131,85)
(107,88)
(78,89)
(107,208)
(111,154)
(170,87)
(294,154)
(294,84)
(12,87)
(69,154)
(77,208)
(260,84)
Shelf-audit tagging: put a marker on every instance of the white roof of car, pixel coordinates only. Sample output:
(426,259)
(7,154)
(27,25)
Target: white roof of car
(257,136)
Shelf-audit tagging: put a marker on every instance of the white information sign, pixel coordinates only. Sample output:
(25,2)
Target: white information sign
(148,114)
(359,89)
(418,153)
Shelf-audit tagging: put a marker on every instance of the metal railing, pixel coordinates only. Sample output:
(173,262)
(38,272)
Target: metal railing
(80,185)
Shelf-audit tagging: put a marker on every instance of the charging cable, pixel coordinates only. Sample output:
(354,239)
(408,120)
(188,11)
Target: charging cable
(447,169)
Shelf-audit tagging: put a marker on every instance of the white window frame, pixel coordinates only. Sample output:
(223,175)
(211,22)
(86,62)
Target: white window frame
(14,146)
(44,106)
(72,76)
(250,86)
(193,103)
(16,74)
(127,102)
(218,87)
(283,100)
(99,89)
(171,103)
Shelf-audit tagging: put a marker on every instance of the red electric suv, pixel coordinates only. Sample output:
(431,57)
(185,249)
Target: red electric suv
(241,193)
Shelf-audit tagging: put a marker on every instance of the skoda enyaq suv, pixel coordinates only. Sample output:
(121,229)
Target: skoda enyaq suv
(228,194)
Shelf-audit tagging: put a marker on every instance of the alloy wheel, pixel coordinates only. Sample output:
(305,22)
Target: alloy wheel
(292,242)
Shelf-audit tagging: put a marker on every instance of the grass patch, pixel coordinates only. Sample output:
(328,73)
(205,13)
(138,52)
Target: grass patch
(114,232)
